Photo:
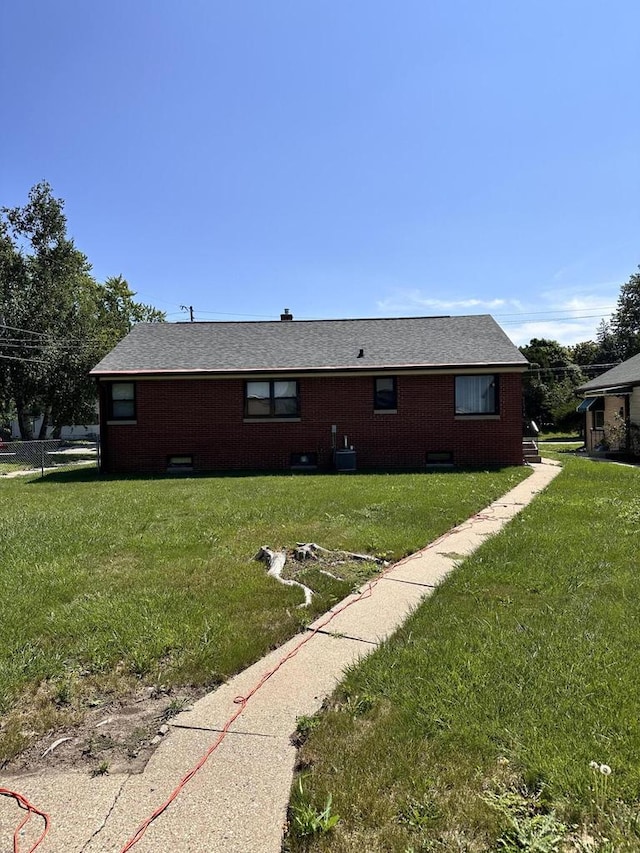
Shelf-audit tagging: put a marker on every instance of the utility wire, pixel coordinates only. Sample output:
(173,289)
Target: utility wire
(571,368)
(27,331)
(552,319)
(556,311)
(56,345)
(51,339)
(16,358)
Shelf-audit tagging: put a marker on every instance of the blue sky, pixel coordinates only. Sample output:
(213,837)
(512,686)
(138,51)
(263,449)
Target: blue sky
(352,158)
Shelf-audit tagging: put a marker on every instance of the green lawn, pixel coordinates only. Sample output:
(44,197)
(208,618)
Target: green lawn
(559,436)
(473,728)
(9,467)
(109,583)
(558,451)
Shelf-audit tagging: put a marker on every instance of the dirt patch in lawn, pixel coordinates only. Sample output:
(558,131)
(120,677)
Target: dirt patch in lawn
(88,726)
(119,736)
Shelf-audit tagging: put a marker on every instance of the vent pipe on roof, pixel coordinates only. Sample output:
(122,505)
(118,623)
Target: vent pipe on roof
(286,317)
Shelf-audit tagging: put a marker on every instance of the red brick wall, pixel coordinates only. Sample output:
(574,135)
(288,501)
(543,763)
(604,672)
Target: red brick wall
(205,418)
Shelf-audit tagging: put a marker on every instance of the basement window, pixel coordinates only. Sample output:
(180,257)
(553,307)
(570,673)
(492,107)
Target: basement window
(181,462)
(440,457)
(274,398)
(304,461)
(122,401)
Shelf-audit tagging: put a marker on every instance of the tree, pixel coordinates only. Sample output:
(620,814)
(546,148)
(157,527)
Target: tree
(625,321)
(117,312)
(585,353)
(594,357)
(550,384)
(56,321)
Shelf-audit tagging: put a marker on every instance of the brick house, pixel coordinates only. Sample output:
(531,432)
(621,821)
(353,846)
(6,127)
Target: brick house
(403,392)
(611,407)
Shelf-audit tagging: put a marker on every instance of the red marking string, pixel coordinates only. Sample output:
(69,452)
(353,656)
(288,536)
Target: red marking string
(241,701)
(30,809)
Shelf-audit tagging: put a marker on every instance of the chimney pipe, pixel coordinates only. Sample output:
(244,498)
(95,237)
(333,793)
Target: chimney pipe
(286,317)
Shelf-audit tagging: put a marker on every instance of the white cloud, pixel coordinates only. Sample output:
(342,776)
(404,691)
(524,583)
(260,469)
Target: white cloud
(580,304)
(566,332)
(568,314)
(413,300)
(601,295)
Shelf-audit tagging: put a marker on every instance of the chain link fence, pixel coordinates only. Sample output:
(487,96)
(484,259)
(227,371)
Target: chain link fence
(29,457)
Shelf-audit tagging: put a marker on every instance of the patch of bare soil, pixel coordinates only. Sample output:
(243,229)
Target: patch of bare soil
(117,737)
(120,735)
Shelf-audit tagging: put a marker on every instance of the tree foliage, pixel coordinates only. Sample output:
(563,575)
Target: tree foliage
(56,320)
(549,386)
(625,322)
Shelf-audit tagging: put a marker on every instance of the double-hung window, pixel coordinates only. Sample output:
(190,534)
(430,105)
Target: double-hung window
(122,401)
(477,395)
(273,398)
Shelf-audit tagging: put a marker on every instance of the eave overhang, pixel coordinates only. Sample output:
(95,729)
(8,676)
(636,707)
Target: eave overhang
(610,390)
(344,370)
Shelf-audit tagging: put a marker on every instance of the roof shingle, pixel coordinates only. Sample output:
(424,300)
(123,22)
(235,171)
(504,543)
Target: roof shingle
(626,373)
(311,345)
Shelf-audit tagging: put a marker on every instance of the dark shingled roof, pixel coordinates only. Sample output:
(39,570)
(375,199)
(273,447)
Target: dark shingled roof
(627,373)
(312,345)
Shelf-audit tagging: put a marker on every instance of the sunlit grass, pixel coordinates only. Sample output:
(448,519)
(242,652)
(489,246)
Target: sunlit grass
(105,583)
(518,672)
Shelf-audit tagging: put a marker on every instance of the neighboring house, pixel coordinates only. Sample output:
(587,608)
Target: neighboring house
(67,433)
(611,407)
(403,392)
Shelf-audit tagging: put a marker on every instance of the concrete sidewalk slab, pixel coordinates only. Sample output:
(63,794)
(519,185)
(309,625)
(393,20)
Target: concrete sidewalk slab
(295,690)
(237,802)
(226,805)
(76,802)
(373,615)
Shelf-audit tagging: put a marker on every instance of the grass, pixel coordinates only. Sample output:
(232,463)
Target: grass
(8,467)
(485,710)
(558,451)
(560,436)
(107,584)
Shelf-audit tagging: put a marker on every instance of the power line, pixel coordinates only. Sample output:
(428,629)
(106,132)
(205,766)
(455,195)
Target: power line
(570,368)
(16,358)
(523,314)
(556,311)
(52,341)
(27,331)
(236,314)
(552,319)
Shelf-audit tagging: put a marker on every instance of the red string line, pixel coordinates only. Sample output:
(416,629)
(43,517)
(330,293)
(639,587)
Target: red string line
(30,809)
(241,701)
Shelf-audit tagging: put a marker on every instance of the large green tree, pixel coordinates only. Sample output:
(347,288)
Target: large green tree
(56,320)
(549,386)
(625,321)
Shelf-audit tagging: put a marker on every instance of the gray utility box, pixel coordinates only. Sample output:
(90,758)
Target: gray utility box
(345,460)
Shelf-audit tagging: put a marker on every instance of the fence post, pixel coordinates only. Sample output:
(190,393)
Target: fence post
(42,458)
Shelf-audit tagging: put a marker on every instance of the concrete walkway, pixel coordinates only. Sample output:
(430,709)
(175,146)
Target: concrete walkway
(237,802)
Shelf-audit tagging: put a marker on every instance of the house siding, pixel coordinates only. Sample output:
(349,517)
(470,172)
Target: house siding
(634,406)
(205,418)
(613,405)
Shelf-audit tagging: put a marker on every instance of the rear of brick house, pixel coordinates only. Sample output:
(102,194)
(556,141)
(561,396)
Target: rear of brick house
(403,392)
